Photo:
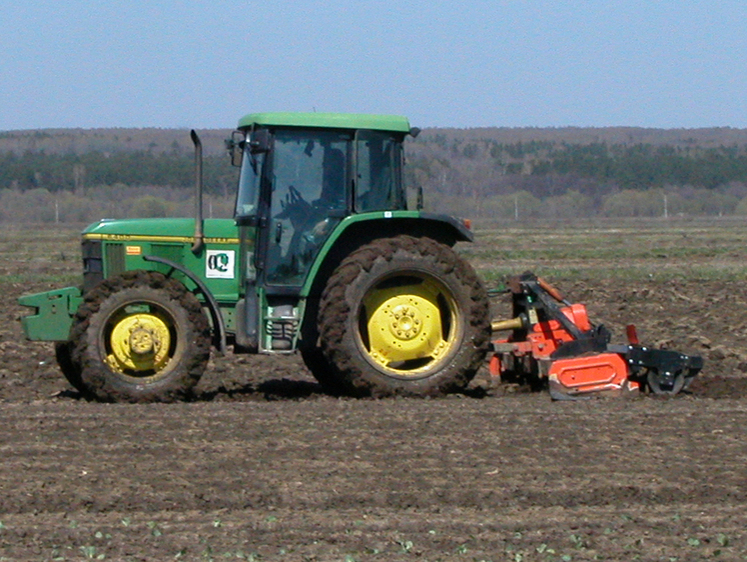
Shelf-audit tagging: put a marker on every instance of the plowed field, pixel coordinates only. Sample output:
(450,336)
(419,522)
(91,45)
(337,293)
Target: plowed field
(263,466)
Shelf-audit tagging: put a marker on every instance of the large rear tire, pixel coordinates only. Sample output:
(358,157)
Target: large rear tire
(140,337)
(404,316)
(317,363)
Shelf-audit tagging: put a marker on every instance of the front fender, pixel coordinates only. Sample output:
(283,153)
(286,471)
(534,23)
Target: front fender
(53,314)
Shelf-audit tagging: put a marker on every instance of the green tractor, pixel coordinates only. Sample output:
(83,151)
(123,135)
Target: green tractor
(322,257)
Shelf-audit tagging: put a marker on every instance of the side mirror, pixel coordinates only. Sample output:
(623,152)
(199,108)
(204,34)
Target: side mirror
(235,147)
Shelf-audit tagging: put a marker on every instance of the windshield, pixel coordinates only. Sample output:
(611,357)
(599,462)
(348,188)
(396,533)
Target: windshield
(247,200)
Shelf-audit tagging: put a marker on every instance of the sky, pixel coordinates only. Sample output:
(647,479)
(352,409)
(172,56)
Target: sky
(510,63)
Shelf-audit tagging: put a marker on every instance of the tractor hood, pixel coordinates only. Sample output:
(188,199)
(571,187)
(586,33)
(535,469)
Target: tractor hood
(168,229)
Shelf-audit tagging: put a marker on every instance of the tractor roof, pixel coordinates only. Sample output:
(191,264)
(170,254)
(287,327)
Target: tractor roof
(394,123)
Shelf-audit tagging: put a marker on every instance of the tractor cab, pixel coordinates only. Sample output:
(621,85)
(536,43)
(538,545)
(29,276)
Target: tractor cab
(301,175)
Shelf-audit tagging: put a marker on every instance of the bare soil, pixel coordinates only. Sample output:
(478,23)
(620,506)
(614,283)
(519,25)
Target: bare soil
(263,466)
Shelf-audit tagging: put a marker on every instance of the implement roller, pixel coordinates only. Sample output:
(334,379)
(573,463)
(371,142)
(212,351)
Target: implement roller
(552,342)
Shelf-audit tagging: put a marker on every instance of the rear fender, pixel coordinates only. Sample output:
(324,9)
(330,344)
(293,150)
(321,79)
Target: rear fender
(357,230)
(53,314)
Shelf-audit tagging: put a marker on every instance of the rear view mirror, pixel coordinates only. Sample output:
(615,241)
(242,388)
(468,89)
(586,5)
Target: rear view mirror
(235,147)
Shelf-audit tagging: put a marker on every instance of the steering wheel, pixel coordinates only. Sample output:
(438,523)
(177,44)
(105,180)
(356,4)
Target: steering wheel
(294,207)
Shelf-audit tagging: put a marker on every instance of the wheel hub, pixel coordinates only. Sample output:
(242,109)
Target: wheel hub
(406,327)
(139,343)
(407,322)
(143,341)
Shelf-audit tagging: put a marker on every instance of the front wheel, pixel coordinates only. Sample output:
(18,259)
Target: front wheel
(63,352)
(140,337)
(404,316)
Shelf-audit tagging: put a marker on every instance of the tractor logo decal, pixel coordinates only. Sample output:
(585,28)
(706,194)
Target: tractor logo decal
(220,264)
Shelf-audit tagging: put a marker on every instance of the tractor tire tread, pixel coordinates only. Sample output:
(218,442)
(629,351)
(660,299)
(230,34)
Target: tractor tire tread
(335,308)
(95,375)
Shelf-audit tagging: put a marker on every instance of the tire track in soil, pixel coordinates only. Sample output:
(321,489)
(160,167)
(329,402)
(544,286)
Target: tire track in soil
(333,477)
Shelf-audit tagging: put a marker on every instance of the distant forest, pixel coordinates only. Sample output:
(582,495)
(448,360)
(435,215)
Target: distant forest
(68,160)
(505,173)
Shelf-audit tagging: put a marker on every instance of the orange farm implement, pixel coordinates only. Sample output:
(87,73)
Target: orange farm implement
(552,341)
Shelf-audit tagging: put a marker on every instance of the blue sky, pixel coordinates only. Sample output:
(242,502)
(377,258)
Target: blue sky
(84,63)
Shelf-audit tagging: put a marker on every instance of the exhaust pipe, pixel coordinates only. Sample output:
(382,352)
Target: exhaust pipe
(199,242)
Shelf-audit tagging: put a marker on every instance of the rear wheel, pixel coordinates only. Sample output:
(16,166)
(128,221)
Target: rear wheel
(140,337)
(321,369)
(404,316)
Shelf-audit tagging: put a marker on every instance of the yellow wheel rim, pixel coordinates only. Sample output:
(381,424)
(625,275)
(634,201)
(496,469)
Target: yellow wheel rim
(139,344)
(409,324)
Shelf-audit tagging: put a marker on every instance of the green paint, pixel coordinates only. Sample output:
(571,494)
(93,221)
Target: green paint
(172,229)
(393,123)
(53,314)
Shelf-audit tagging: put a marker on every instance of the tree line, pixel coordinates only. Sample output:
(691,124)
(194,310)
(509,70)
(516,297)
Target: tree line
(626,167)
(640,166)
(504,173)
(553,177)
(621,166)
(72,172)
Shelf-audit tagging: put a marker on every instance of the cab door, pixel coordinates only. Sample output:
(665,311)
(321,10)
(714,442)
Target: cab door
(310,173)
(251,217)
